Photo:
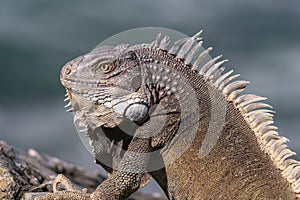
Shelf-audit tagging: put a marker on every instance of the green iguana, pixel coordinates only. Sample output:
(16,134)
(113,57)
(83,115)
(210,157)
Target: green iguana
(166,112)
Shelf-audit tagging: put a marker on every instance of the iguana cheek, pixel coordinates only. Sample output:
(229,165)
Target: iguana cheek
(120,107)
(136,112)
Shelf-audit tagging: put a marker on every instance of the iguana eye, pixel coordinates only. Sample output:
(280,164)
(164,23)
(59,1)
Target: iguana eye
(105,67)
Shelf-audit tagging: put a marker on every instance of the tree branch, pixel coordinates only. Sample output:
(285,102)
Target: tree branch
(31,173)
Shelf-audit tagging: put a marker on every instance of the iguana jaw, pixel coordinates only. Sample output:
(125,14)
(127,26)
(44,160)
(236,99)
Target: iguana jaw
(115,138)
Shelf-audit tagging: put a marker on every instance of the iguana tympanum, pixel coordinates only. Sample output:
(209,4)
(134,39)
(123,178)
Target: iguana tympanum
(153,110)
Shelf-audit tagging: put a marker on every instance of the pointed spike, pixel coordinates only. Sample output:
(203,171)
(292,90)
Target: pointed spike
(201,58)
(70,110)
(209,64)
(226,81)
(277,143)
(264,124)
(229,79)
(247,97)
(290,164)
(268,128)
(277,147)
(83,131)
(255,112)
(221,78)
(255,106)
(259,115)
(152,44)
(233,95)
(68,105)
(234,86)
(252,100)
(271,138)
(188,45)
(177,45)
(296,170)
(191,54)
(284,154)
(260,119)
(214,68)
(217,74)
(269,135)
(66,99)
(156,42)
(197,35)
(286,171)
(185,48)
(164,43)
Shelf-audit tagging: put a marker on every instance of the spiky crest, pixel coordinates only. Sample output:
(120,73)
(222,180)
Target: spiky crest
(254,111)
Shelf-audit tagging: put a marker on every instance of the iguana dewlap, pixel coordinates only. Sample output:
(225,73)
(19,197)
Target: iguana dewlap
(151,109)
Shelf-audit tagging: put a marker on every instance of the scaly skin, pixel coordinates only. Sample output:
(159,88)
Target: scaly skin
(113,87)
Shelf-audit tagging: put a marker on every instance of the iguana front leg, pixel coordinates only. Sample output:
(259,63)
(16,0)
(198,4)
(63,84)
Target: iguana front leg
(129,176)
(69,193)
(120,184)
(117,186)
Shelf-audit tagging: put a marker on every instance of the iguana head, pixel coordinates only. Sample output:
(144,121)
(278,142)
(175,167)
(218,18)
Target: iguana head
(106,86)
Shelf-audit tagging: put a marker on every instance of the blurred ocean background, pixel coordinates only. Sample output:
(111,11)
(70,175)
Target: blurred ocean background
(260,37)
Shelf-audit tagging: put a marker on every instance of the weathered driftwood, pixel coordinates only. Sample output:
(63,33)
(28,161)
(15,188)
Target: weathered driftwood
(25,174)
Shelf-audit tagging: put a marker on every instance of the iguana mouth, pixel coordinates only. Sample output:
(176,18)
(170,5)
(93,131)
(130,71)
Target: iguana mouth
(82,82)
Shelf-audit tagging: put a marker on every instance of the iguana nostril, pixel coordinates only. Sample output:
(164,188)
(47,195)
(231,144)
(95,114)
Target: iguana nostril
(68,70)
(136,112)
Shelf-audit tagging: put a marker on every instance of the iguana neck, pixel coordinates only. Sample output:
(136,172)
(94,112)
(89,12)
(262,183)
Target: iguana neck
(235,168)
